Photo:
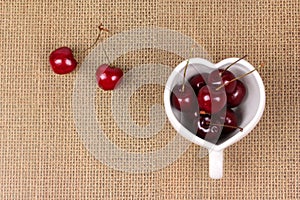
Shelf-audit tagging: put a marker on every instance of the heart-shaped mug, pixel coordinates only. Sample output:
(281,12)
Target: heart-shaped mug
(250,110)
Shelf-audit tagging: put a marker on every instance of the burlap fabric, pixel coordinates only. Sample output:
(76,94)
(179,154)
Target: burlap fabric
(41,155)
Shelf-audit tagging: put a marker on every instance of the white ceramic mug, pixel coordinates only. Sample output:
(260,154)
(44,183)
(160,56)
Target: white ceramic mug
(251,108)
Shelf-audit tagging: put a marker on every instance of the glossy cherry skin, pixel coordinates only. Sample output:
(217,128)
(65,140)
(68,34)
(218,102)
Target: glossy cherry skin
(236,97)
(189,120)
(198,81)
(210,100)
(185,99)
(62,60)
(207,131)
(108,78)
(229,119)
(219,77)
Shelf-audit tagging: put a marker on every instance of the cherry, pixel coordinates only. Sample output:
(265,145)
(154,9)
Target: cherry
(210,128)
(189,120)
(239,77)
(210,100)
(236,97)
(197,82)
(183,98)
(230,122)
(108,77)
(223,77)
(62,60)
(218,77)
(207,131)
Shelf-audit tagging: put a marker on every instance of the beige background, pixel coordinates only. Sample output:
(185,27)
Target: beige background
(41,155)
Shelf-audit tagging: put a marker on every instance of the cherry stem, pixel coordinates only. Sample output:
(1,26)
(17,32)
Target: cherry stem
(185,69)
(101,28)
(107,57)
(233,63)
(184,74)
(202,112)
(239,77)
(224,125)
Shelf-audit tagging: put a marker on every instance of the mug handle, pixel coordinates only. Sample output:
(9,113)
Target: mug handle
(215,164)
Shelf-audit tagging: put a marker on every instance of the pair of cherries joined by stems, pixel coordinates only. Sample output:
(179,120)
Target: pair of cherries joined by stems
(62,61)
(203,93)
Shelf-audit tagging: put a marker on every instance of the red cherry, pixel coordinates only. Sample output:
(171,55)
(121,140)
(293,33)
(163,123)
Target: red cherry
(198,81)
(234,99)
(184,98)
(108,77)
(62,60)
(210,100)
(218,77)
(189,120)
(207,131)
(230,122)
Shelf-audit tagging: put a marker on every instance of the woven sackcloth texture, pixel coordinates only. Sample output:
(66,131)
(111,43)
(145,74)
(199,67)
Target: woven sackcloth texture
(42,155)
